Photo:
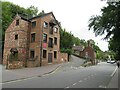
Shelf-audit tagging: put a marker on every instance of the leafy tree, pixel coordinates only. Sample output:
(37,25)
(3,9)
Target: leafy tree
(32,11)
(108,23)
(9,10)
(76,41)
(66,39)
(115,48)
(41,13)
(83,42)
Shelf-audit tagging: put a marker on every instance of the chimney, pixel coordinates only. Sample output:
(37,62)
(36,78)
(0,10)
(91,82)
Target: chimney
(90,43)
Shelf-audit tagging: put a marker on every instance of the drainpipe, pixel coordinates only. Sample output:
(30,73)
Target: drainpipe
(41,47)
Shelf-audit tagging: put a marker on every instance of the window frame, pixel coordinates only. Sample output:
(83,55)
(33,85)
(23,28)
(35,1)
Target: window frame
(44,38)
(45,24)
(56,29)
(17,22)
(32,54)
(45,54)
(33,24)
(32,40)
(55,54)
(55,40)
(16,36)
(50,43)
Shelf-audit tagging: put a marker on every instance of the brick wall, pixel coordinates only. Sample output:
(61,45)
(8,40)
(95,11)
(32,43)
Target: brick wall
(63,57)
(21,43)
(15,65)
(91,54)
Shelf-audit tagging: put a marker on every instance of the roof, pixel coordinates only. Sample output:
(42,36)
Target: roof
(78,48)
(40,16)
(25,19)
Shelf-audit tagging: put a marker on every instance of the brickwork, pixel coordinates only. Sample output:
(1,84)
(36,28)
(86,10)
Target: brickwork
(10,42)
(15,65)
(24,44)
(89,53)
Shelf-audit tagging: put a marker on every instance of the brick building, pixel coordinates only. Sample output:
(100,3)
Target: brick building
(36,41)
(89,52)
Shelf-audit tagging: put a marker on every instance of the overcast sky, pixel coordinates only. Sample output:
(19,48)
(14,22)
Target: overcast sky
(73,15)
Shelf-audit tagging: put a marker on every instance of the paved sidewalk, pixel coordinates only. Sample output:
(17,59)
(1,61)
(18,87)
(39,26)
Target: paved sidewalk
(11,75)
(19,74)
(114,81)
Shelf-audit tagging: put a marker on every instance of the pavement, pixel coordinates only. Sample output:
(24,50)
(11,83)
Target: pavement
(25,73)
(115,79)
(18,74)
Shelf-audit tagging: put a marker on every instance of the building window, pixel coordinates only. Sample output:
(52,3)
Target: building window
(55,40)
(55,29)
(16,37)
(45,24)
(51,30)
(33,24)
(44,53)
(45,38)
(17,22)
(50,43)
(33,37)
(32,54)
(55,54)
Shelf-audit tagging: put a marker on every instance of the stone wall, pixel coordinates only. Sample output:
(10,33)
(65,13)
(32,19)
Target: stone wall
(21,43)
(15,65)
(63,57)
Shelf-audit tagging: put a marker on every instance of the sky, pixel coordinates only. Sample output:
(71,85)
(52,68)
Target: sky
(73,15)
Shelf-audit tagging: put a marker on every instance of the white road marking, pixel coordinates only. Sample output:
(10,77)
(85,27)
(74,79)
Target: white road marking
(17,80)
(85,78)
(88,76)
(91,75)
(80,81)
(114,72)
(74,83)
(102,86)
(67,87)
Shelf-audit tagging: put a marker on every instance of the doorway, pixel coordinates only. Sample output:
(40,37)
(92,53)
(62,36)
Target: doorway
(49,57)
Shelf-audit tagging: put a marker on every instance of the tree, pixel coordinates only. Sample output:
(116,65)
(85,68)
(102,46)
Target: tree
(66,39)
(9,11)
(83,42)
(32,11)
(76,41)
(108,23)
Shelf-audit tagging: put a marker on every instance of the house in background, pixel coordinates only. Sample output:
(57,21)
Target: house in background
(87,52)
(78,49)
(35,42)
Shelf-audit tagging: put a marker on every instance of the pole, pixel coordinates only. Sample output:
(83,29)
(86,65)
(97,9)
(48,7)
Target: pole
(41,47)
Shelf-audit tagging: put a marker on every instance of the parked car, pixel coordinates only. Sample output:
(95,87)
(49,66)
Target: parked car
(108,61)
(112,61)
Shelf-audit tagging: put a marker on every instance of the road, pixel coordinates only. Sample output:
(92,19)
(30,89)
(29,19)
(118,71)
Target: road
(70,75)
